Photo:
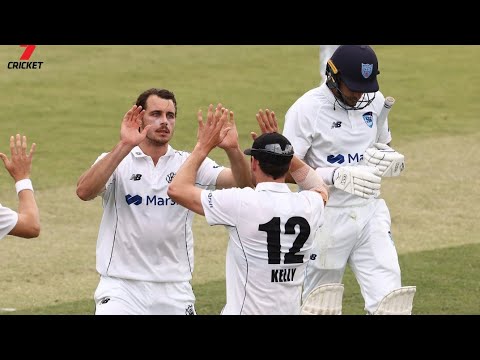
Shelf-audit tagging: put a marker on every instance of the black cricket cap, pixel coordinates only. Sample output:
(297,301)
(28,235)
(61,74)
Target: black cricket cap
(273,148)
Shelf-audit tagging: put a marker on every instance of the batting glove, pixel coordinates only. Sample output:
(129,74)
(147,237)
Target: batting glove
(387,160)
(363,181)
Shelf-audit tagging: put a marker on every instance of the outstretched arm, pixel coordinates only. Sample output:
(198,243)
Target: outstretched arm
(239,173)
(299,171)
(20,167)
(182,189)
(92,182)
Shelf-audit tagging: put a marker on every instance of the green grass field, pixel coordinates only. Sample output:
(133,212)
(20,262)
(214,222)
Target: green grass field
(72,108)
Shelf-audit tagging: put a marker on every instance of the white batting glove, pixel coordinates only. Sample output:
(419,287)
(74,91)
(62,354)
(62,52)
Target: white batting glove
(387,160)
(363,181)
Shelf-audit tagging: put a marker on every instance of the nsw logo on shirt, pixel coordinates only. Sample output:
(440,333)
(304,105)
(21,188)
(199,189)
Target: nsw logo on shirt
(368,118)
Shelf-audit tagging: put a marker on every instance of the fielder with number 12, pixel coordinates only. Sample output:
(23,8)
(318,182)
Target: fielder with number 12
(271,228)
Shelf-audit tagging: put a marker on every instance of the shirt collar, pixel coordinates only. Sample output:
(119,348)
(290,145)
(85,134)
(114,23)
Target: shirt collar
(138,153)
(328,93)
(272,186)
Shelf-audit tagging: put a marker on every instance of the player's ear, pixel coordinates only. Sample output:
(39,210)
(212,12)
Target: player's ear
(253,163)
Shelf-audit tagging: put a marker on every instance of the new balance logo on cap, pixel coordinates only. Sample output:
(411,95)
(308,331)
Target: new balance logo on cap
(336,124)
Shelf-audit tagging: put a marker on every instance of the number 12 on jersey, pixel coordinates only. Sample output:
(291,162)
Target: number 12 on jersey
(272,228)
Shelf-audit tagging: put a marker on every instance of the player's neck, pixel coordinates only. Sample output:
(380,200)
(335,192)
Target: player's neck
(154,150)
(266,178)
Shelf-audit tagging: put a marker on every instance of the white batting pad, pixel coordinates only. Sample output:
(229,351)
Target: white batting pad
(397,302)
(324,300)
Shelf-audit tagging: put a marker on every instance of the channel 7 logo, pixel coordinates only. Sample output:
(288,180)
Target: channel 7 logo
(24,62)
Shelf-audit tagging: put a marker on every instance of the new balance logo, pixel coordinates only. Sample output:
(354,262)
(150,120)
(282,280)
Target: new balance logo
(136,199)
(136,177)
(336,124)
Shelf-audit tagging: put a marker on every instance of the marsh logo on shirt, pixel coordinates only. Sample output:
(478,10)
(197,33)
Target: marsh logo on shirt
(332,159)
(340,158)
(135,199)
(150,200)
(368,118)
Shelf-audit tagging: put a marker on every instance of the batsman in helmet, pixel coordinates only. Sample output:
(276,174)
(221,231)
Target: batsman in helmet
(338,130)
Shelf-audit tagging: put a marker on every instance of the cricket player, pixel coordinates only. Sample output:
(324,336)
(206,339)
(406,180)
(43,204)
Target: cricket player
(26,222)
(331,127)
(271,229)
(145,242)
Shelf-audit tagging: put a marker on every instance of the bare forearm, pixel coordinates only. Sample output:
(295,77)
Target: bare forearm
(28,224)
(93,181)
(240,168)
(182,189)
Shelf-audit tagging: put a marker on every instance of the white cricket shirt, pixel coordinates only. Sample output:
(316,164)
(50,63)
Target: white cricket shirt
(145,235)
(8,220)
(324,134)
(271,232)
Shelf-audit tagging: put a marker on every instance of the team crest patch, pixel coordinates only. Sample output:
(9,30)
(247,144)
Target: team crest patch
(367,70)
(368,118)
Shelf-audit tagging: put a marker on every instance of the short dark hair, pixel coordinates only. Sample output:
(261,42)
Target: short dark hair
(274,153)
(161,93)
(273,170)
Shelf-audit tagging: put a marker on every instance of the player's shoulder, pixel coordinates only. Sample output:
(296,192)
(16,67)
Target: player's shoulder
(377,103)
(312,96)
(309,102)
(180,154)
(312,196)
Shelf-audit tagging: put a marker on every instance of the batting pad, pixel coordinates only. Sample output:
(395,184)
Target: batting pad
(324,300)
(397,302)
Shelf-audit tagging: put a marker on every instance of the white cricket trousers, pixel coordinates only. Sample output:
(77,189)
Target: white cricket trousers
(361,237)
(115,296)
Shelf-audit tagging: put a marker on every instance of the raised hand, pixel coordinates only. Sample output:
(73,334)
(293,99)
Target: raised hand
(267,121)
(229,132)
(131,123)
(211,133)
(20,164)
